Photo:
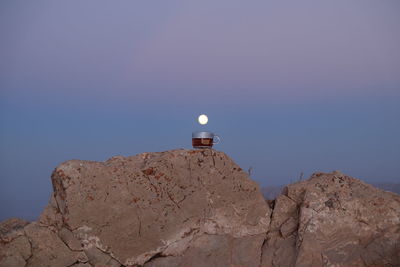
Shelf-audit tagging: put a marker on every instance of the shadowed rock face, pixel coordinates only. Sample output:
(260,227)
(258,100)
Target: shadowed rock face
(198,208)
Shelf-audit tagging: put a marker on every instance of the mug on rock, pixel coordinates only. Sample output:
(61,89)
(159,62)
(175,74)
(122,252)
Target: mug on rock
(204,139)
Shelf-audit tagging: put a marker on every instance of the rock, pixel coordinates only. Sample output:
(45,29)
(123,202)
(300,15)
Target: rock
(14,246)
(51,215)
(164,261)
(48,249)
(334,220)
(137,207)
(98,258)
(217,250)
(11,229)
(29,244)
(12,259)
(15,252)
(198,208)
(69,239)
(288,227)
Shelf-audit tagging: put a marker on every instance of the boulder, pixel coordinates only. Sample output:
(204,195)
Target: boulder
(152,204)
(332,219)
(198,208)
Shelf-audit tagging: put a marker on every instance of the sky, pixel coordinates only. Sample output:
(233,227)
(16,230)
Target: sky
(291,87)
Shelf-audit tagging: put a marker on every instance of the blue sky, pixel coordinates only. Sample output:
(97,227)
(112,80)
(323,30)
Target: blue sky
(289,86)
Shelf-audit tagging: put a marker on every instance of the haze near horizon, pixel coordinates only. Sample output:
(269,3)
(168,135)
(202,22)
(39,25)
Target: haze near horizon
(291,87)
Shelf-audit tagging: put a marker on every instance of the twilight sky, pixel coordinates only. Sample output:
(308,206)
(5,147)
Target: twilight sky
(290,86)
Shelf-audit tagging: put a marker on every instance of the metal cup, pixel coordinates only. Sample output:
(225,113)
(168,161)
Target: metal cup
(204,139)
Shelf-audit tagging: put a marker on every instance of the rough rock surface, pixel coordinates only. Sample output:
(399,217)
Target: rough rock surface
(333,220)
(128,210)
(198,208)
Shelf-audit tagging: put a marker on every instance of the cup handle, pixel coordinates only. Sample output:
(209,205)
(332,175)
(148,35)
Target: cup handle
(218,139)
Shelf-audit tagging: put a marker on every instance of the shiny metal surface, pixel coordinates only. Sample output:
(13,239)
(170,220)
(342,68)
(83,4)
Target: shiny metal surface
(202,135)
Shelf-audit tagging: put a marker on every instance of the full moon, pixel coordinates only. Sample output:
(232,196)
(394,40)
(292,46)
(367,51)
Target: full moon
(203,119)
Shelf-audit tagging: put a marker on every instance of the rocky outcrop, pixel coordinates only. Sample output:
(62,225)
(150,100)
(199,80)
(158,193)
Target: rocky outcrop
(333,220)
(198,208)
(132,210)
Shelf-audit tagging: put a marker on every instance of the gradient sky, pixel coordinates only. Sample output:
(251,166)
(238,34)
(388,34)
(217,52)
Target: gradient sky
(290,86)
